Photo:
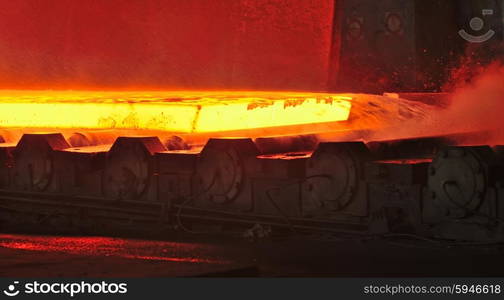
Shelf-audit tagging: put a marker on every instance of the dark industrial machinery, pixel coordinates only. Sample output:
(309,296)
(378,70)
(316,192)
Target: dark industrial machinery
(463,197)
(432,189)
(335,179)
(34,161)
(410,45)
(222,178)
(129,168)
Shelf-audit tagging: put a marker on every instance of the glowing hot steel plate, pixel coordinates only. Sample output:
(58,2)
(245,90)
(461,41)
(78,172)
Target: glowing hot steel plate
(176,111)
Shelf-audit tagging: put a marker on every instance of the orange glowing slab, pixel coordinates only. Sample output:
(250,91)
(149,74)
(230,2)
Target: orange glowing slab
(175,111)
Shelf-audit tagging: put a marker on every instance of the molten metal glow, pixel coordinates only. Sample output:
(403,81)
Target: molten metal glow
(182,111)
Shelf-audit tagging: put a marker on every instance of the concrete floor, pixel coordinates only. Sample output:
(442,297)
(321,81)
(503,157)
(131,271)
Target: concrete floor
(71,256)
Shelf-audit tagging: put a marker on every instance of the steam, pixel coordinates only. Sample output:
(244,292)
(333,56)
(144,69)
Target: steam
(479,106)
(474,106)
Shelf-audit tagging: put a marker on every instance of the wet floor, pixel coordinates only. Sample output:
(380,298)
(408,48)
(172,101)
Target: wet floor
(117,247)
(79,256)
(29,255)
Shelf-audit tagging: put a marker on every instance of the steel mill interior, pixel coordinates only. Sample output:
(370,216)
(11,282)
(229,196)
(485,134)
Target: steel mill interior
(260,135)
